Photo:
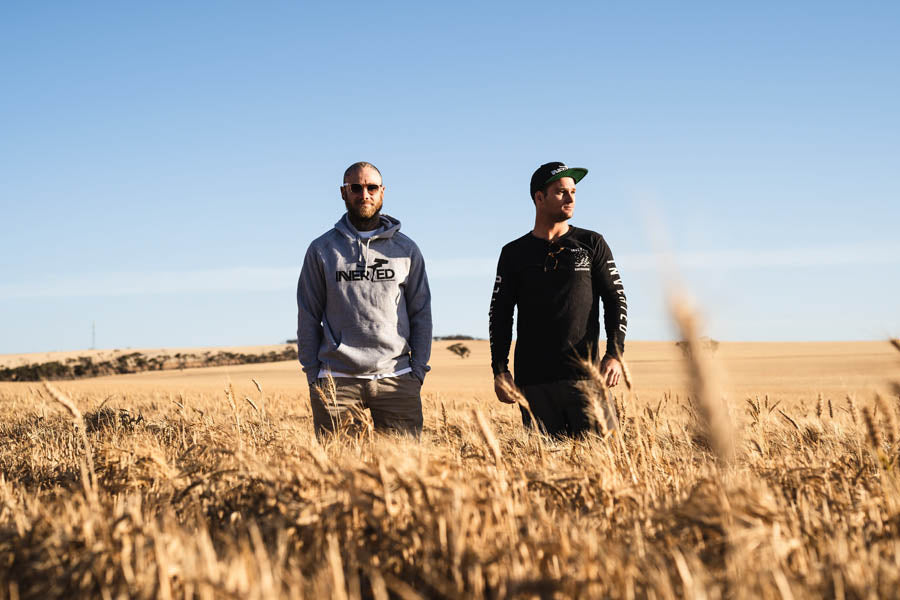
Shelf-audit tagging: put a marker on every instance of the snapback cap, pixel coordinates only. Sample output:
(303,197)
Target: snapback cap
(551,171)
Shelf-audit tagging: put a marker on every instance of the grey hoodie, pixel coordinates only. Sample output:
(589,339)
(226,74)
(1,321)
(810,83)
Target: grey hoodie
(363,305)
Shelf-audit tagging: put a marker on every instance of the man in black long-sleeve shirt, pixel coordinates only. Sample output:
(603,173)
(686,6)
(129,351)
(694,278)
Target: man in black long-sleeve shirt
(557,275)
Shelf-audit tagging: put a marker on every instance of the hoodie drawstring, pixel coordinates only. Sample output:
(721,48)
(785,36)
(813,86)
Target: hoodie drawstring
(363,252)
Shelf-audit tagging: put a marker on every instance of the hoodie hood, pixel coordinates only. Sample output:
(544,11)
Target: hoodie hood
(389,226)
(386,230)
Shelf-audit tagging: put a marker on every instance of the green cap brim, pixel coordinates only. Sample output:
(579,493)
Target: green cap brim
(575,173)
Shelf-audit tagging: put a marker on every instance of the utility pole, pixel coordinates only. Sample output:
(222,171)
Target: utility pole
(93,335)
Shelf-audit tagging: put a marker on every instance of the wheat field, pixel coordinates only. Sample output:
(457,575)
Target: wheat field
(209,483)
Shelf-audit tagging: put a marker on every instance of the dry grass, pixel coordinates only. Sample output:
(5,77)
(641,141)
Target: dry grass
(229,495)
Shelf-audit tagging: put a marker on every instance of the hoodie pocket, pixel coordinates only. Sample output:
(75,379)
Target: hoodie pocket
(367,348)
(331,343)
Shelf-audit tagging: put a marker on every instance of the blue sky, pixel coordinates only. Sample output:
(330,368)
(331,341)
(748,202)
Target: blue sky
(163,166)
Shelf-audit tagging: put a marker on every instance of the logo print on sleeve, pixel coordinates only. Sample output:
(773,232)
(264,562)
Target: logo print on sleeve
(620,292)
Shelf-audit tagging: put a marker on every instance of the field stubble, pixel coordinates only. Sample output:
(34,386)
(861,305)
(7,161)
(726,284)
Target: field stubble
(142,490)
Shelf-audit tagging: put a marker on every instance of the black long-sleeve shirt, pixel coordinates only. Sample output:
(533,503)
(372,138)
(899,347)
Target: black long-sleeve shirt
(557,287)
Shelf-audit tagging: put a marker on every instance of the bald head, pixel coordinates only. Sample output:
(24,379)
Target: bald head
(359,166)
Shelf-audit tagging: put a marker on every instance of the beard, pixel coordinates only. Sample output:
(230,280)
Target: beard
(364,213)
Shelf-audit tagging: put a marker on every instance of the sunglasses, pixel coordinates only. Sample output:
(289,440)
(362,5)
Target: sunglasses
(357,188)
(552,256)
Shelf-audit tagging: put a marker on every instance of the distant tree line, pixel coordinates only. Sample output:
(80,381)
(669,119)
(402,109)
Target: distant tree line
(136,362)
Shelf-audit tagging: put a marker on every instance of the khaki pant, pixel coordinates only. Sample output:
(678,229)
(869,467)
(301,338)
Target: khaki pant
(395,403)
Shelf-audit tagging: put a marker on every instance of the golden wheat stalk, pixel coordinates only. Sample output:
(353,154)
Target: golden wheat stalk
(338,585)
(626,372)
(262,404)
(714,421)
(330,389)
(66,403)
(872,429)
(512,391)
(851,408)
(88,475)
(229,393)
(488,436)
(537,428)
(890,419)
(602,413)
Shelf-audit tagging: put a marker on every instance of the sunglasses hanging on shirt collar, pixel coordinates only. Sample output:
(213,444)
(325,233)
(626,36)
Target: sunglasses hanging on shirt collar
(552,255)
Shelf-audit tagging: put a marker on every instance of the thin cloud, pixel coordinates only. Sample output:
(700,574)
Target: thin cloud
(824,256)
(239,279)
(276,279)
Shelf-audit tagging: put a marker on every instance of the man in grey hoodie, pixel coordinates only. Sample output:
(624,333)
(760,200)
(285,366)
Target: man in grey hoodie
(364,314)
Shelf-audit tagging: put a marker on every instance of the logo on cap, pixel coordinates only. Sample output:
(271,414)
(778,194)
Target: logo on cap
(558,169)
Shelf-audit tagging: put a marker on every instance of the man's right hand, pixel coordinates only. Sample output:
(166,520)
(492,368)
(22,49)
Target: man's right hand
(504,388)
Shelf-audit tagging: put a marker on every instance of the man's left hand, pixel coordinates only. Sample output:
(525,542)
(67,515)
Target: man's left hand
(611,369)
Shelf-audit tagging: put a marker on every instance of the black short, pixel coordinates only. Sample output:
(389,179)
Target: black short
(566,408)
